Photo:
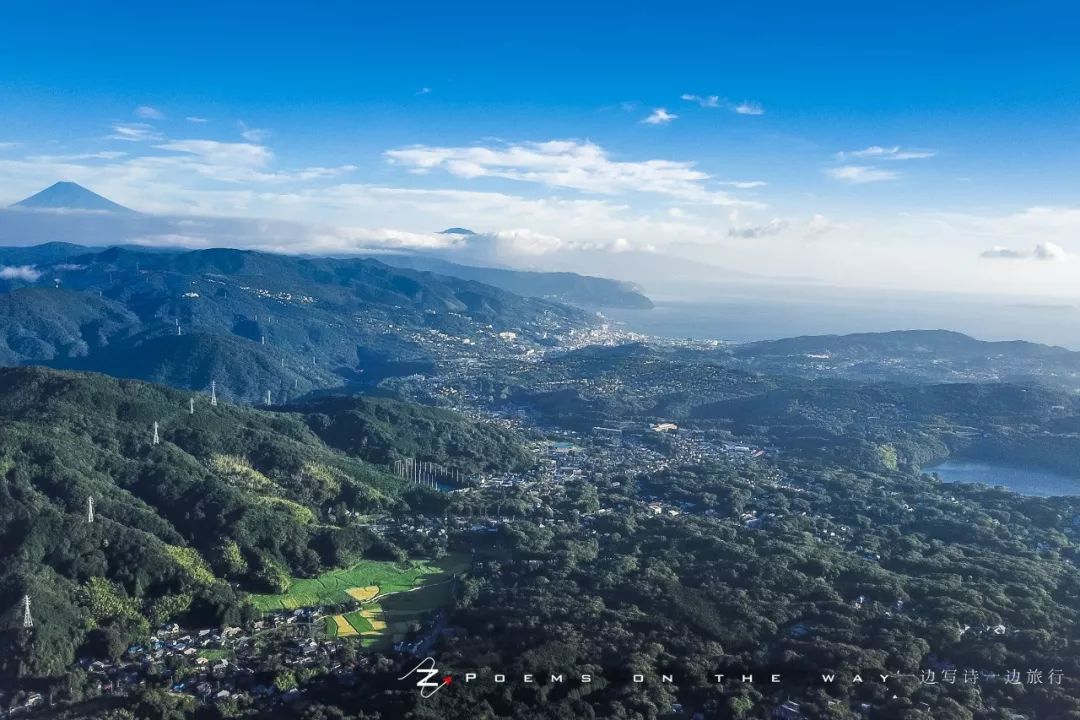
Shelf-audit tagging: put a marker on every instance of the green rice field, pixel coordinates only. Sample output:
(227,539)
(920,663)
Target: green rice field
(330,588)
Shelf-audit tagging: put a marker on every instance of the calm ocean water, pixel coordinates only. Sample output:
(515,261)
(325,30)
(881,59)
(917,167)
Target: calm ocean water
(744,319)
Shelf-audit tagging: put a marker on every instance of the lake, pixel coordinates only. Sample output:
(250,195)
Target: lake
(1025,481)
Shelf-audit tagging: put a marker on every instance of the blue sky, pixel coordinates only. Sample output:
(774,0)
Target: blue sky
(829,140)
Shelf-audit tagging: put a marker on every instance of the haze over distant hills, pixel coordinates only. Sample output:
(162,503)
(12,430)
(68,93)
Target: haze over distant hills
(568,287)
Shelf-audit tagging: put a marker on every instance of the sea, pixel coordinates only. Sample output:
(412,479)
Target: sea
(790,313)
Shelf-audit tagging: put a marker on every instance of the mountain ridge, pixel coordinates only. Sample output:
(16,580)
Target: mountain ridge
(66,195)
(257,321)
(587,291)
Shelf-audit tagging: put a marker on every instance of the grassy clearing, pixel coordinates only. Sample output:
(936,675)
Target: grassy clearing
(333,588)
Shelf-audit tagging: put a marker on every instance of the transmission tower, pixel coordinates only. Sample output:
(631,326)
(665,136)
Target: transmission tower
(90,509)
(178,333)
(157,438)
(213,393)
(28,622)
(191,406)
(268,403)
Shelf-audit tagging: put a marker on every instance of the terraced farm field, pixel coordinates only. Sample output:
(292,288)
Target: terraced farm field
(390,619)
(364,581)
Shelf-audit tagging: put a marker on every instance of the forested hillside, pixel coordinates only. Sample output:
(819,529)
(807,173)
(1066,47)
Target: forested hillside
(913,356)
(383,430)
(227,497)
(254,322)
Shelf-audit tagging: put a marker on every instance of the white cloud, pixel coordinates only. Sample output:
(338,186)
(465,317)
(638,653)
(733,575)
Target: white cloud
(820,224)
(1045,251)
(894,152)
(773,227)
(748,107)
(319,173)
(75,157)
(1000,252)
(221,154)
(172,240)
(19,272)
(9,145)
(659,116)
(705,101)
(252,134)
(859,174)
(743,184)
(1048,251)
(226,162)
(213,185)
(149,113)
(582,166)
(527,242)
(196,119)
(135,132)
(423,91)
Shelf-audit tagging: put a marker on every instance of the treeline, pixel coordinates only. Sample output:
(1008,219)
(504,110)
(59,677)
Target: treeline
(383,430)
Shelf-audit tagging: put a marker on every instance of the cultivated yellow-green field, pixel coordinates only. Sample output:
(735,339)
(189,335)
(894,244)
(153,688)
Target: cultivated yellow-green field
(342,628)
(363,581)
(363,594)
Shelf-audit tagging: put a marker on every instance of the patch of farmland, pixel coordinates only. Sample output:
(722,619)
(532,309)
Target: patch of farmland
(343,628)
(332,588)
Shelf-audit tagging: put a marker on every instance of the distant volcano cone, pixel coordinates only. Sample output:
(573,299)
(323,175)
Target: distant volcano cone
(70,196)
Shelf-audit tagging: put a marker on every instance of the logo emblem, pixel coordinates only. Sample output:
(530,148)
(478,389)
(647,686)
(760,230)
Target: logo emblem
(426,671)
